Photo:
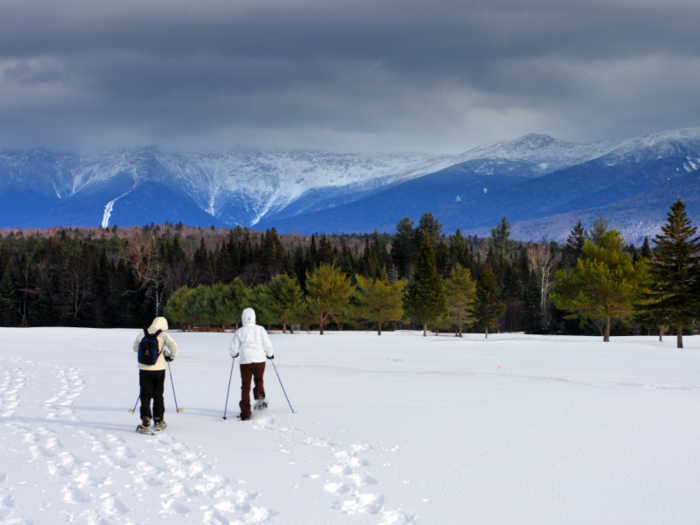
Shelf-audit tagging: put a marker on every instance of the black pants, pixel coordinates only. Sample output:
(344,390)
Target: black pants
(251,371)
(152,383)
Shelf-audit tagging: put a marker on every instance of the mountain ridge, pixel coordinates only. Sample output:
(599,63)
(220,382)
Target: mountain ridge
(527,179)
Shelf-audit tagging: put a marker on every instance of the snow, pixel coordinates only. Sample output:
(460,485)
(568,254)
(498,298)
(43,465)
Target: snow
(389,430)
(544,152)
(108,210)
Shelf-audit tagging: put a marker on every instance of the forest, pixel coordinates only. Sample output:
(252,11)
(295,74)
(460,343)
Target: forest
(416,277)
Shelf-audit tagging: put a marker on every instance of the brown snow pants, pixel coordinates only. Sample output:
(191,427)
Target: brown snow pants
(248,372)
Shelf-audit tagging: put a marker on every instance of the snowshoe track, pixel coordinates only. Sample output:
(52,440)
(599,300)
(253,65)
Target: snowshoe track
(352,481)
(132,468)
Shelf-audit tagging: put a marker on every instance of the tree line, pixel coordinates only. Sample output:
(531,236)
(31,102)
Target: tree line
(416,277)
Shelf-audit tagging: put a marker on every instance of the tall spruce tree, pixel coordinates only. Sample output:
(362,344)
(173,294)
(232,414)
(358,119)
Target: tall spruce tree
(488,308)
(673,284)
(425,301)
(402,248)
(500,239)
(574,245)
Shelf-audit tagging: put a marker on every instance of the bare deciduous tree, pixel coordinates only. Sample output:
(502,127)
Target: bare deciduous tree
(542,261)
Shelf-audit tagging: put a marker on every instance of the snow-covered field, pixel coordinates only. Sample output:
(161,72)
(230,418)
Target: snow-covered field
(389,430)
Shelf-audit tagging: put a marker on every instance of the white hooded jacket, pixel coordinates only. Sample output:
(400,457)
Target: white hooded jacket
(166,344)
(251,340)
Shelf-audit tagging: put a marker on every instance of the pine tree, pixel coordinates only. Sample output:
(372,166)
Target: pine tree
(460,290)
(231,301)
(257,298)
(284,301)
(602,286)
(673,284)
(424,301)
(378,301)
(487,309)
(174,306)
(329,294)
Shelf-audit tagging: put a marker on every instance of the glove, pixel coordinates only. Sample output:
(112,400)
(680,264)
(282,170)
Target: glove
(235,356)
(169,358)
(270,357)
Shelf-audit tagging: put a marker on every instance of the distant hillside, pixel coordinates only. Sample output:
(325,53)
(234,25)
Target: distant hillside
(540,184)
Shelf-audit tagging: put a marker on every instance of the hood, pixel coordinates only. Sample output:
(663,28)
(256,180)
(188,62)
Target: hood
(159,323)
(248,316)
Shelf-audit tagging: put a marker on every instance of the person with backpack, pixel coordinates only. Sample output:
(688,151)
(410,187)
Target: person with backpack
(253,345)
(154,347)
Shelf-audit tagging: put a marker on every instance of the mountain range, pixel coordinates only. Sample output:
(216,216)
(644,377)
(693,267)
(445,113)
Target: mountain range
(540,184)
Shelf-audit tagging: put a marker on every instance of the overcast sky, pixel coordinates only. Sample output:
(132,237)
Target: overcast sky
(438,76)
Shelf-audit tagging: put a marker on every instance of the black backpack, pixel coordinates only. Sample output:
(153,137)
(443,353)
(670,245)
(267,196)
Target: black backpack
(148,348)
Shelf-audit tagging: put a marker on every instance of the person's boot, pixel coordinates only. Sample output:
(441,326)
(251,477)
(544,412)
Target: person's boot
(160,425)
(143,427)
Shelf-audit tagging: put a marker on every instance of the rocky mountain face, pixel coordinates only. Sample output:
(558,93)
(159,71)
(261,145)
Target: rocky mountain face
(540,184)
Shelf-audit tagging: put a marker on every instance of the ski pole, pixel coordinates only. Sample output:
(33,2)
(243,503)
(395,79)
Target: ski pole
(178,410)
(229,386)
(285,393)
(137,402)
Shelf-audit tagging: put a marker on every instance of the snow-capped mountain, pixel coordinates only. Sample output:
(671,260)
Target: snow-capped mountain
(541,153)
(529,178)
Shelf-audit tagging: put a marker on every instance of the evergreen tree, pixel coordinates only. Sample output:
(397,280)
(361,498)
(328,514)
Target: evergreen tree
(258,299)
(378,301)
(424,301)
(284,301)
(430,225)
(673,284)
(325,251)
(532,320)
(574,245)
(646,250)
(602,286)
(487,308)
(329,294)
(600,226)
(459,252)
(230,302)
(500,239)
(8,293)
(402,248)
(174,306)
(460,291)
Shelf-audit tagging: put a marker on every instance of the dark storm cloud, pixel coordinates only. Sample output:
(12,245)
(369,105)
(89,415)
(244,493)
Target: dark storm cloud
(398,74)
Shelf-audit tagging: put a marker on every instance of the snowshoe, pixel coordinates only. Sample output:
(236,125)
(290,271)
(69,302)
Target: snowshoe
(260,404)
(242,418)
(159,426)
(143,427)
(144,430)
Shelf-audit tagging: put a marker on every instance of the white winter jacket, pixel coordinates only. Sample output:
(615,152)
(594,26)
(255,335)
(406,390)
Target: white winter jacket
(165,344)
(251,340)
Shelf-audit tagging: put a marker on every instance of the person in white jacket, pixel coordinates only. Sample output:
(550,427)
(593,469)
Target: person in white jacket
(253,345)
(152,377)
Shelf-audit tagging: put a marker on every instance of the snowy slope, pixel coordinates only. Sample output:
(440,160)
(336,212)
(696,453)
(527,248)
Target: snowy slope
(265,188)
(389,430)
(544,153)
